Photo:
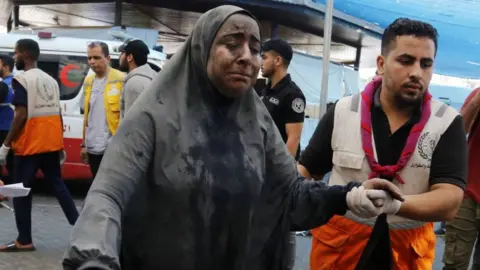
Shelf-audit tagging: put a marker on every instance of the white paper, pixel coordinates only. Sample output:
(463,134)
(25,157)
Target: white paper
(15,190)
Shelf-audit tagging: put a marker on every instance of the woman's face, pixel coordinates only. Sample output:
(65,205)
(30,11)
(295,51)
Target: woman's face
(234,58)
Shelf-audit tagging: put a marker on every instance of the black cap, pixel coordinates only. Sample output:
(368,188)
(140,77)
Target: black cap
(135,47)
(279,46)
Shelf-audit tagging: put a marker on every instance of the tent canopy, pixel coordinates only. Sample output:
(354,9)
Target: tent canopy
(457,21)
(306,72)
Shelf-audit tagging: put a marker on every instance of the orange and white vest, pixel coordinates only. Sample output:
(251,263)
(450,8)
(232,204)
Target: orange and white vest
(350,163)
(43,131)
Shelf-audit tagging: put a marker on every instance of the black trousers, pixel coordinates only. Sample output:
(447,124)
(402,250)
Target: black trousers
(94,162)
(25,169)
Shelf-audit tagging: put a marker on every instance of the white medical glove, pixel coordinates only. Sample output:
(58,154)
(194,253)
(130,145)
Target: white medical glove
(359,204)
(63,157)
(3,154)
(381,198)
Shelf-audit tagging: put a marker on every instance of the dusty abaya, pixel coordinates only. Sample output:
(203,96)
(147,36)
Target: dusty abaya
(193,180)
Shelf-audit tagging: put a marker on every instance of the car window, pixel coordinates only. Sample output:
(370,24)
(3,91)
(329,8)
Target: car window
(115,63)
(68,71)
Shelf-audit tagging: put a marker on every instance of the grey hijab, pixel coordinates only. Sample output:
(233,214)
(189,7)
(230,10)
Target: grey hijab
(192,180)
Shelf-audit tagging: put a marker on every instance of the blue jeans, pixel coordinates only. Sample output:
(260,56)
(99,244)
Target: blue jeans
(25,169)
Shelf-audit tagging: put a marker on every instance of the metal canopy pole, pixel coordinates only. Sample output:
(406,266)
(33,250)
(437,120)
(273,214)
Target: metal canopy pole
(357,58)
(118,13)
(327,37)
(16,16)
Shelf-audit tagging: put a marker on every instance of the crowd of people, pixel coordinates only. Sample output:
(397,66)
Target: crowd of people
(194,169)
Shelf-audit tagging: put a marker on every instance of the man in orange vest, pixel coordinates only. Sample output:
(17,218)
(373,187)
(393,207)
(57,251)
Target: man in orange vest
(102,92)
(36,137)
(393,130)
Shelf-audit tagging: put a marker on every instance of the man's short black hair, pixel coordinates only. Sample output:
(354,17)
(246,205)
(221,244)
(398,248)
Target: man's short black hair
(7,60)
(30,46)
(103,45)
(407,27)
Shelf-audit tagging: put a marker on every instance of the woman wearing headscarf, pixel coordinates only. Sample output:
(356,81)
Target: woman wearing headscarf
(197,176)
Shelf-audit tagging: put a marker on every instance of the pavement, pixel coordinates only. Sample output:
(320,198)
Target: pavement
(51,232)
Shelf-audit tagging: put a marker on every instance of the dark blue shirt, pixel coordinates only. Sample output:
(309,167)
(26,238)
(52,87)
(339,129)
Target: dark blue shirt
(21,97)
(6,97)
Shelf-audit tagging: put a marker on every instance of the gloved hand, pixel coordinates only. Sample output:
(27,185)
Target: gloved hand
(389,205)
(382,184)
(360,204)
(3,154)
(63,157)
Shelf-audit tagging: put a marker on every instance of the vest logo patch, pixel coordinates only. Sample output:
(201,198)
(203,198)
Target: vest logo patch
(274,101)
(45,90)
(426,145)
(113,92)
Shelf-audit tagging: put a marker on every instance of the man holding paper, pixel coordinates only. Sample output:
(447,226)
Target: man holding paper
(36,137)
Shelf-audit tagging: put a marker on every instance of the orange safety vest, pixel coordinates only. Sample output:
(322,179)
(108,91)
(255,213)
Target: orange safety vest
(340,243)
(112,94)
(43,131)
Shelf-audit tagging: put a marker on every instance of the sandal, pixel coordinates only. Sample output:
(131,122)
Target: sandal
(15,246)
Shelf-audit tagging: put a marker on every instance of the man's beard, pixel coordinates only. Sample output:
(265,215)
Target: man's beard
(123,67)
(2,74)
(400,101)
(20,65)
(403,103)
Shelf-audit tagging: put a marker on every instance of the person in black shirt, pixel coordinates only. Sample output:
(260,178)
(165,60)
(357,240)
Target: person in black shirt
(282,97)
(433,183)
(285,103)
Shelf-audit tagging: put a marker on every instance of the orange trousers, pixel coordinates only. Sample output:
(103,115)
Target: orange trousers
(340,243)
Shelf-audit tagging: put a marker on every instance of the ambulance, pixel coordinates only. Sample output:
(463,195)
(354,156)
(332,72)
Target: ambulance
(65,59)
